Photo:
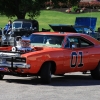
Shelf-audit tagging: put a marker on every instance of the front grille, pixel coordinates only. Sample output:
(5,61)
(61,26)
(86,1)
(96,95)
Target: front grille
(16,59)
(13,62)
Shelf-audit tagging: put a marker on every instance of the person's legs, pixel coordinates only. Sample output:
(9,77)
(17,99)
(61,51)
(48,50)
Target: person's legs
(4,31)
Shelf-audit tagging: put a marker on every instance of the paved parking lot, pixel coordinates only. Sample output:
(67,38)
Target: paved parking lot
(73,86)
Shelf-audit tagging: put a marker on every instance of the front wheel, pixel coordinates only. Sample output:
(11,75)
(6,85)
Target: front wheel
(45,73)
(96,72)
(1,76)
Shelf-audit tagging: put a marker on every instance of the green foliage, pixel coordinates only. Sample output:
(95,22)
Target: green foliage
(69,3)
(20,8)
(74,8)
(74,2)
(54,17)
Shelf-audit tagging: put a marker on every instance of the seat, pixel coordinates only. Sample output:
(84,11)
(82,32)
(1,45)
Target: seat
(73,45)
(50,41)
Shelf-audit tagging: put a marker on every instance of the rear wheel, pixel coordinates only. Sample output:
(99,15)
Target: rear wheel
(96,72)
(1,76)
(45,73)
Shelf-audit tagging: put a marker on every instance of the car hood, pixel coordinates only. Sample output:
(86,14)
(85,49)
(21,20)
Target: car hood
(40,51)
(62,28)
(86,21)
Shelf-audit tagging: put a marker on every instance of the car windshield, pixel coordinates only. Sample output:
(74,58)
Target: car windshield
(26,25)
(46,40)
(17,25)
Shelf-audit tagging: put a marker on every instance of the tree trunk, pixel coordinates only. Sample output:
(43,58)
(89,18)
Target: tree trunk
(21,16)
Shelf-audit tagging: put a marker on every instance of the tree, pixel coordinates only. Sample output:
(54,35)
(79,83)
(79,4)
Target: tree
(20,8)
(68,2)
(73,2)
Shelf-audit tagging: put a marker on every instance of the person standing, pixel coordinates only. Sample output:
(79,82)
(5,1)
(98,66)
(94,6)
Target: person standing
(8,27)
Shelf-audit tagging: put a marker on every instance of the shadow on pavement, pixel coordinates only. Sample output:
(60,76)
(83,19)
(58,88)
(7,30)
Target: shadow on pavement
(66,80)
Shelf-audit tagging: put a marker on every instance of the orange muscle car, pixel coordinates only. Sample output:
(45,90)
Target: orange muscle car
(52,53)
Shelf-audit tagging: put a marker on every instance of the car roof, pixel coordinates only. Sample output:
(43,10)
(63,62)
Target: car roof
(55,33)
(60,33)
(26,20)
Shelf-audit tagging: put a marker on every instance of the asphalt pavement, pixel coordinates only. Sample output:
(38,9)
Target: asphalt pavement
(72,86)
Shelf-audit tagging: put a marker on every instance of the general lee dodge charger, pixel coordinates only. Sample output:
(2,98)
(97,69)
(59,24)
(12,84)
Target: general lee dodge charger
(52,53)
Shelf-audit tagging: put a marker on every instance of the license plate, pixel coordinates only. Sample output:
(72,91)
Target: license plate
(2,69)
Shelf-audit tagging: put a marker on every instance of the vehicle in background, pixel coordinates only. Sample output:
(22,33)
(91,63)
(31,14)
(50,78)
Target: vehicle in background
(84,25)
(20,28)
(0,34)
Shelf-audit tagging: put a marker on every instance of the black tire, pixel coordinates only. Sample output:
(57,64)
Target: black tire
(96,72)
(45,73)
(1,76)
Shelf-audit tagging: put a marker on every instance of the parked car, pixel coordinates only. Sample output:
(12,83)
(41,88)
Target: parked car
(76,29)
(52,53)
(20,28)
(84,25)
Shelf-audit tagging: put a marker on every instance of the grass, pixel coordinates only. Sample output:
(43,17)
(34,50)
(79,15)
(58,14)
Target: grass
(54,17)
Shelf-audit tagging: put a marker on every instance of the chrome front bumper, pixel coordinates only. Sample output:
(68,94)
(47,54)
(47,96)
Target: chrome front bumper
(11,64)
(19,65)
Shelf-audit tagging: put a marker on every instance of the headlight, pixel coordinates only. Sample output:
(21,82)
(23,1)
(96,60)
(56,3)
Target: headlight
(14,49)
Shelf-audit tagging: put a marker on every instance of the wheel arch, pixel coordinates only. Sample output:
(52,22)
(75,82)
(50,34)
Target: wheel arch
(95,73)
(53,66)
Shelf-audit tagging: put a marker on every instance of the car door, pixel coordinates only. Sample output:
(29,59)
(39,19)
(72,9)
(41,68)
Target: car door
(76,55)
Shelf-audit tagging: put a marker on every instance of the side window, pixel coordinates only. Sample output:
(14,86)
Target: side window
(26,25)
(77,42)
(72,42)
(85,43)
